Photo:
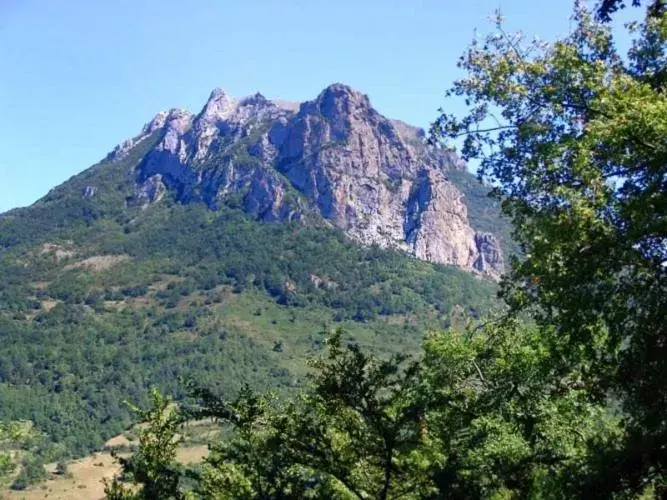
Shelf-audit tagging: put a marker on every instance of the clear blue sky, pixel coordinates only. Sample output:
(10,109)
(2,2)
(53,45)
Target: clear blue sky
(79,76)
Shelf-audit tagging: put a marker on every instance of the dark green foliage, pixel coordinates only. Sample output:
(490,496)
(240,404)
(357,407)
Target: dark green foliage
(70,288)
(607,8)
(71,369)
(473,418)
(350,437)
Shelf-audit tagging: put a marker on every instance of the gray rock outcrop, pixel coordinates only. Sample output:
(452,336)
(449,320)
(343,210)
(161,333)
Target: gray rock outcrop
(335,156)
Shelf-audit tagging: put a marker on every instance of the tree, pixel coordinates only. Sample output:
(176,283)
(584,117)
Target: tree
(477,417)
(8,435)
(608,7)
(352,436)
(573,137)
(500,422)
(32,471)
(152,472)
(16,444)
(252,461)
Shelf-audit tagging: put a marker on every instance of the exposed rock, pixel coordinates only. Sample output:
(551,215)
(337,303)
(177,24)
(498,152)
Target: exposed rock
(489,256)
(218,108)
(151,190)
(177,123)
(325,282)
(373,177)
(287,105)
(438,229)
(122,149)
(89,191)
(58,251)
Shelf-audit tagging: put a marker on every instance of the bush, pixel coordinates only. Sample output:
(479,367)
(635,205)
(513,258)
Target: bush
(32,471)
(61,468)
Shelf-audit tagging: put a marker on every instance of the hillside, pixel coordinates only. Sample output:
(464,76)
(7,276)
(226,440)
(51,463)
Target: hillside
(221,247)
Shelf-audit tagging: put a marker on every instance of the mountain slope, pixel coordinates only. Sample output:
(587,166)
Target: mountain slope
(217,246)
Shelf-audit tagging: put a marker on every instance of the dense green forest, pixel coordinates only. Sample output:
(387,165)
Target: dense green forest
(102,298)
(98,311)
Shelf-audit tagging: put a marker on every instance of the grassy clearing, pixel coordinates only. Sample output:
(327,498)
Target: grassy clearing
(85,480)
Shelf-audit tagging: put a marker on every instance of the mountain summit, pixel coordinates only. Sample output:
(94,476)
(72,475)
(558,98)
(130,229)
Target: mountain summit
(335,157)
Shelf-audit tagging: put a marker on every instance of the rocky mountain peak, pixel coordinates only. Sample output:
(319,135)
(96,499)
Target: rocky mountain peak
(219,107)
(254,100)
(339,99)
(163,119)
(217,93)
(178,114)
(177,123)
(336,157)
(156,123)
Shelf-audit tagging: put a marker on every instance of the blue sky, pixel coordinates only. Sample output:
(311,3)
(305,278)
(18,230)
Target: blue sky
(79,76)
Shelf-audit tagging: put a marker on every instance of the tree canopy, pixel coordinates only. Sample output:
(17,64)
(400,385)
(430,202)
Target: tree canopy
(573,136)
(471,419)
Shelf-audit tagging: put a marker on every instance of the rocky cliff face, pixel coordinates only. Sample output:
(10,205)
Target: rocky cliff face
(335,157)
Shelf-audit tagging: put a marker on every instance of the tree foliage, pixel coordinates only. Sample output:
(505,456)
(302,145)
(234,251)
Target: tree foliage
(351,436)
(473,418)
(11,436)
(176,307)
(607,8)
(574,138)
(21,454)
(152,472)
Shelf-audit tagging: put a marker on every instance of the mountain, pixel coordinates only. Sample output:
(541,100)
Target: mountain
(219,246)
(336,156)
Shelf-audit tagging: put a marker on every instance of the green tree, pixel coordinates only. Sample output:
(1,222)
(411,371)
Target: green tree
(477,417)
(498,423)
(252,460)
(354,435)
(574,138)
(8,435)
(16,447)
(152,472)
(32,471)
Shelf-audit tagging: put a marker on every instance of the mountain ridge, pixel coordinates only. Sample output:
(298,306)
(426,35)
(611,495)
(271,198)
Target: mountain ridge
(336,157)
